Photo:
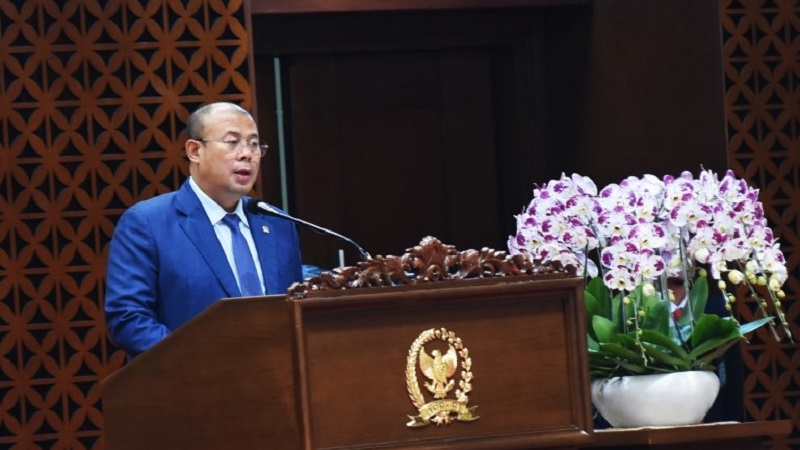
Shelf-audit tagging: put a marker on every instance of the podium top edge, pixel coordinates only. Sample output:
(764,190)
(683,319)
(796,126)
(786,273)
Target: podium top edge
(554,279)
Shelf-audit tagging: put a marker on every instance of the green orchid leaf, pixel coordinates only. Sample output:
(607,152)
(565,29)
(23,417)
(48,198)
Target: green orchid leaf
(711,327)
(622,352)
(616,366)
(628,341)
(591,303)
(596,287)
(601,357)
(750,326)
(634,368)
(601,352)
(655,354)
(604,363)
(598,290)
(705,360)
(593,308)
(616,311)
(656,315)
(710,346)
(657,338)
(658,355)
(604,329)
(591,343)
(711,333)
(698,296)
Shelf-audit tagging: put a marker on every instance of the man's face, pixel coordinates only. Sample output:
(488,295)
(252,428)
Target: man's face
(224,174)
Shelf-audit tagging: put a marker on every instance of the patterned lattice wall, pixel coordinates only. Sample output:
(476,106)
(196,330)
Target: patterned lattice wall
(761,61)
(93,99)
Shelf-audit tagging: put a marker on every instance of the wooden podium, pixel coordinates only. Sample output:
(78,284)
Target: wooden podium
(342,369)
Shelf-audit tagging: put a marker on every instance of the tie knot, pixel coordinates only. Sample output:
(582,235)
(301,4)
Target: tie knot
(232,221)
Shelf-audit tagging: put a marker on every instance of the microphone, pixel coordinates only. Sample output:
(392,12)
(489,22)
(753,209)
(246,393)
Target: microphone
(258,207)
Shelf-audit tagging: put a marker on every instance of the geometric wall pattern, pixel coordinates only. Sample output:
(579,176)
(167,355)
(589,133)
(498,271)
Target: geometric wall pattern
(94,95)
(761,63)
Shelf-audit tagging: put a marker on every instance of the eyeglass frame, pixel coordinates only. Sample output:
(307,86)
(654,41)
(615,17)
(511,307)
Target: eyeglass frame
(235,145)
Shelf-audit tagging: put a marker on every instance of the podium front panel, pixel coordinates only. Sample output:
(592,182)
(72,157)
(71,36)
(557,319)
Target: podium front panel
(359,362)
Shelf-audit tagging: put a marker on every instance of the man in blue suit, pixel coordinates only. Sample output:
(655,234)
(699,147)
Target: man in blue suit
(173,255)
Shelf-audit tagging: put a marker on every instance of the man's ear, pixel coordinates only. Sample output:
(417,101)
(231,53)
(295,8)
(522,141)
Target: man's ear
(192,148)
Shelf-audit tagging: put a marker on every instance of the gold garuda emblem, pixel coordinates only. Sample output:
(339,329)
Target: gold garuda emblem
(440,368)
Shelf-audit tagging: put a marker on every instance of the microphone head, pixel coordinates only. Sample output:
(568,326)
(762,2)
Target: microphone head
(260,207)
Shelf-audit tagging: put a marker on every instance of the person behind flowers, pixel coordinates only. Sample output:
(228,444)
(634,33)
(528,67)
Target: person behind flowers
(172,256)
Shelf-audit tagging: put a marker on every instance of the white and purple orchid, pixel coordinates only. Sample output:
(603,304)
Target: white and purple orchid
(632,232)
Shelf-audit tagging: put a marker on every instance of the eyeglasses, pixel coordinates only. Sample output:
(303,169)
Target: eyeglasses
(255,147)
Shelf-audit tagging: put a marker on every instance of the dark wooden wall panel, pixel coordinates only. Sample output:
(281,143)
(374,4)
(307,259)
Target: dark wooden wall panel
(389,162)
(654,103)
(761,61)
(93,99)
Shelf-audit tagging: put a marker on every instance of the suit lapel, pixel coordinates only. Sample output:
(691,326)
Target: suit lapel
(193,219)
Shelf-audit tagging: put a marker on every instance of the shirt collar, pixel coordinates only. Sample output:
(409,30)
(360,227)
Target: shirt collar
(679,305)
(215,212)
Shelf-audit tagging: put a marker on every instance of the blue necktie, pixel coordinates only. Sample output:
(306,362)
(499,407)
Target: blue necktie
(249,283)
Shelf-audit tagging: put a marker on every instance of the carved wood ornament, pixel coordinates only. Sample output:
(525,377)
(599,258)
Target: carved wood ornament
(430,261)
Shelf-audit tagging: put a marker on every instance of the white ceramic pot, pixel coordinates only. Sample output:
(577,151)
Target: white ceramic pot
(670,399)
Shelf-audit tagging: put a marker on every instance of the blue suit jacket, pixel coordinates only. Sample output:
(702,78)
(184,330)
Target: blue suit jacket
(166,265)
